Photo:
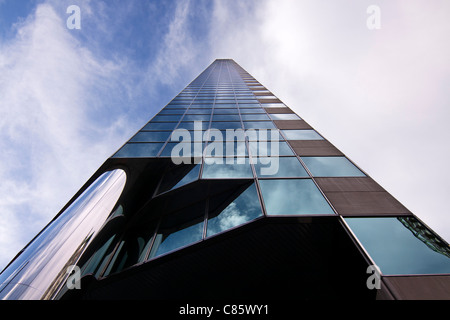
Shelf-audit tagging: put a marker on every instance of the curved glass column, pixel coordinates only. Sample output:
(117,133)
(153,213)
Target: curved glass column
(40,271)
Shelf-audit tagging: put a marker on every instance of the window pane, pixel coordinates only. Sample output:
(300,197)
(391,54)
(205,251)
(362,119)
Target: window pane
(197,117)
(178,230)
(132,249)
(226,111)
(155,126)
(224,215)
(229,117)
(254,110)
(270,148)
(227,168)
(401,245)
(139,150)
(259,125)
(293,197)
(226,125)
(226,148)
(179,176)
(193,125)
(279,167)
(285,116)
(302,135)
(183,149)
(274,105)
(166,118)
(148,136)
(253,117)
(331,167)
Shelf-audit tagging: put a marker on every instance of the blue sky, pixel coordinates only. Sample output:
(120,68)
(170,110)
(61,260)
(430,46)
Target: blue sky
(70,98)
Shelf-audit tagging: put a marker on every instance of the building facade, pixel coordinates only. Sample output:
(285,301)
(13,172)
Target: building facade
(227,193)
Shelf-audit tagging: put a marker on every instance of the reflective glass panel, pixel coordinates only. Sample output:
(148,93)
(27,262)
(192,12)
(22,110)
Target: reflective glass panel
(293,197)
(139,150)
(155,126)
(179,176)
(227,117)
(150,136)
(279,167)
(226,125)
(331,167)
(270,148)
(255,117)
(254,110)
(233,210)
(226,168)
(132,249)
(302,135)
(273,105)
(179,230)
(259,125)
(285,116)
(197,117)
(183,149)
(401,245)
(166,118)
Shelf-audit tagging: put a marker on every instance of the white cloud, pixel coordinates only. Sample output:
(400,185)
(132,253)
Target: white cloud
(50,89)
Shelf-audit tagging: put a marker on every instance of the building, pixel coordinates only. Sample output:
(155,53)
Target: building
(268,209)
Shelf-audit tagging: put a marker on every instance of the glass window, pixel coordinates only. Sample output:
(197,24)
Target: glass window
(226,111)
(193,125)
(172,111)
(156,126)
(274,105)
(254,110)
(401,245)
(255,117)
(226,117)
(285,116)
(224,148)
(226,168)
(302,135)
(179,230)
(225,105)
(259,125)
(166,118)
(199,111)
(270,148)
(331,167)
(226,125)
(226,212)
(279,167)
(132,249)
(149,136)
(139,150)
(293,197)
(179,176)
(197,117)
(182,149)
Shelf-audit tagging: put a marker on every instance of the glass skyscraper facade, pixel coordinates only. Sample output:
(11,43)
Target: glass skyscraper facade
(226,192)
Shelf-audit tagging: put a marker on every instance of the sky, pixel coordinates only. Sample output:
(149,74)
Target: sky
(69,98)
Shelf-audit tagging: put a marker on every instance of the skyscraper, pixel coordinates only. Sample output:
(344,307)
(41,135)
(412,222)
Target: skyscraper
(227,193)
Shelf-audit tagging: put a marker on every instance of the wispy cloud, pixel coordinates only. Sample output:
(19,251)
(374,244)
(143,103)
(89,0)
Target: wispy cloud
(54,93)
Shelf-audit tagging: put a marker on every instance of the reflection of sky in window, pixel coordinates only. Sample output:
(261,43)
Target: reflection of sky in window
(292,197)
(288,167)
(227,171)
(169,241)
(395,249)
(331,167)
(302,135)
(244,208)
(190,177)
